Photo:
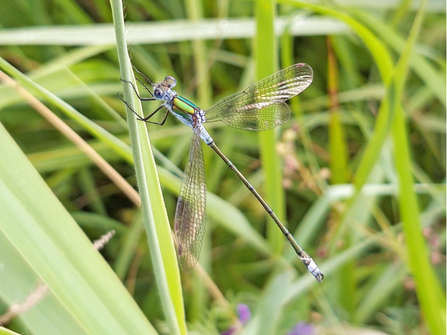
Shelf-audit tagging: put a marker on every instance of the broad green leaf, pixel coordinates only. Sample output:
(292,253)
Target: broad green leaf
(47,245)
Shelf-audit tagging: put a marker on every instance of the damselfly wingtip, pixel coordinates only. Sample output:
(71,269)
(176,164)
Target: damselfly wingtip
(185,259)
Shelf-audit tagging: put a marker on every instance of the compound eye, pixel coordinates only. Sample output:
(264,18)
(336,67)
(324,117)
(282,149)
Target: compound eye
(159,94)
(170,81)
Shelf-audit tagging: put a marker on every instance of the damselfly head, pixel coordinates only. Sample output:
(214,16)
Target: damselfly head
(159,93)
(162,89)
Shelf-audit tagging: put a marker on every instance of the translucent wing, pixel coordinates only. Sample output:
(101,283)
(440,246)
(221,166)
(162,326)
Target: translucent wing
(260,119)
(262,101)
(190,215)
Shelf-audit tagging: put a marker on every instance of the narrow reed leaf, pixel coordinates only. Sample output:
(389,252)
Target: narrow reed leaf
(154,212)
(266,56)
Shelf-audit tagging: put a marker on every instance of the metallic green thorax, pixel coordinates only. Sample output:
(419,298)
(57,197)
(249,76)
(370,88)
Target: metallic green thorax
(183,105)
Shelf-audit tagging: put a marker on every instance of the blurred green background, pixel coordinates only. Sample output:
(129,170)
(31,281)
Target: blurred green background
(359,179)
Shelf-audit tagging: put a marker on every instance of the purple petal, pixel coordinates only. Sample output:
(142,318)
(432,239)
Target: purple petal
(302,328)
(244,313)
(230,331)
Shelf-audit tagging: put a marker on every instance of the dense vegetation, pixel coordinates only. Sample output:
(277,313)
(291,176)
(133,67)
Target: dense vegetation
(358,173)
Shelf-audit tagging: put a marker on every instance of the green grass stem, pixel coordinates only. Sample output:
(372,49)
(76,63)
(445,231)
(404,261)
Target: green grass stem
(266,56)
(155,217)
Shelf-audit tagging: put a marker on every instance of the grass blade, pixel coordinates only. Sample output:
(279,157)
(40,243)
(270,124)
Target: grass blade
(154,212)
(266,64)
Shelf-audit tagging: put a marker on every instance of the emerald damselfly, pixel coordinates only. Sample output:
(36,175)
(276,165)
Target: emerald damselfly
(259,107)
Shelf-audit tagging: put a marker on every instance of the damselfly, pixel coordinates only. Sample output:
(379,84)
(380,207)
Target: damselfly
(259,107)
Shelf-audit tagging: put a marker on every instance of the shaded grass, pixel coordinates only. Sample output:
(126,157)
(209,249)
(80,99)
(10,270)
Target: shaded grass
(364,233)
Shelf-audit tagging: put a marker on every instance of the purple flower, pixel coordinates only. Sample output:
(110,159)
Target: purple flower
(230,331)
(244,313)
(302,328)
